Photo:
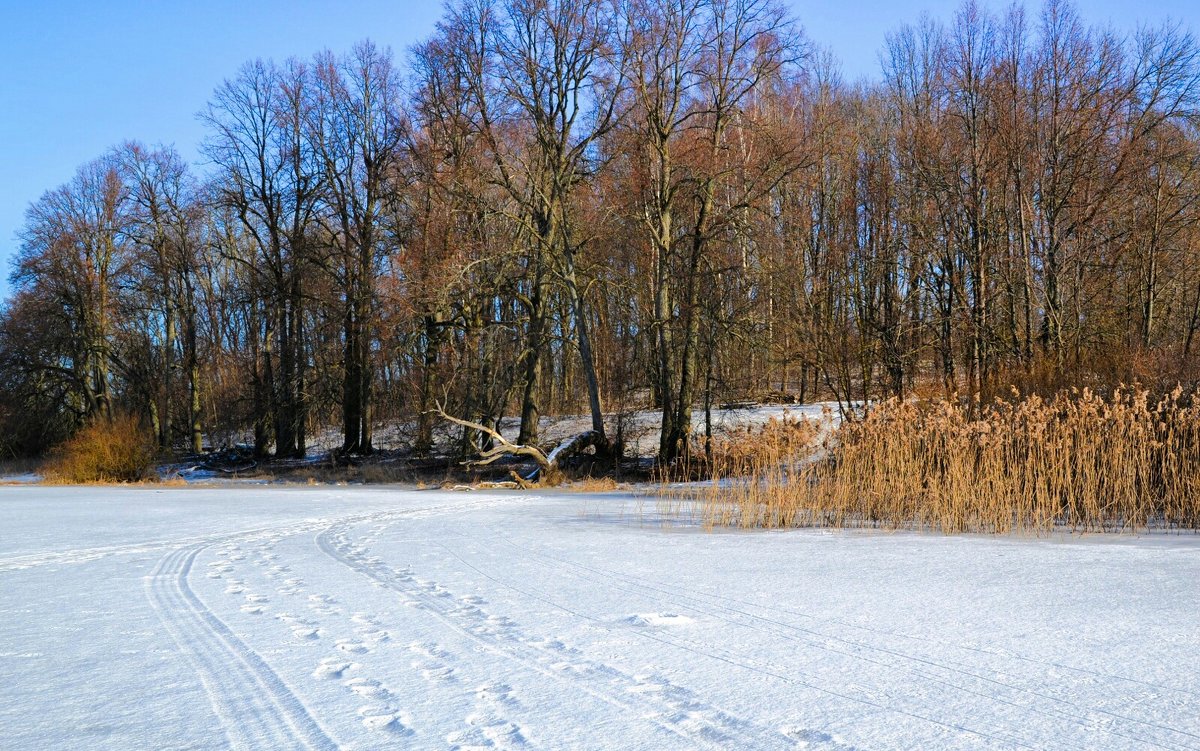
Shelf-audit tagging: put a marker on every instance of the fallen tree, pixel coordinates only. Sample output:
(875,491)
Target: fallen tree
(549,466)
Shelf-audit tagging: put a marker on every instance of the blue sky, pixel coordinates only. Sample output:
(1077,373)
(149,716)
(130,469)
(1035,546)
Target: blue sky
(78,77)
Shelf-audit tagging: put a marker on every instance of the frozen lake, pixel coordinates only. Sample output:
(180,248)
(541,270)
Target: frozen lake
(255,617)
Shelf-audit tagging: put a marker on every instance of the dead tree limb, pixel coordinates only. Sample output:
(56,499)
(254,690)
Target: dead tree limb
(548,471)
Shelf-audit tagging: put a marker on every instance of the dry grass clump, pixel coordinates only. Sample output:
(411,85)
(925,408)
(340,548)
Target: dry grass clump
(746,451)
(775,444)
(380,473)
(593,485)
(1079,461)
(113,450)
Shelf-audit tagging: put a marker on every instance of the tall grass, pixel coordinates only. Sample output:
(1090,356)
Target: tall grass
(1079,461)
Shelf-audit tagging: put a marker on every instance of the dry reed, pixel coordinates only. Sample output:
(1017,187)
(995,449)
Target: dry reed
(1078,461)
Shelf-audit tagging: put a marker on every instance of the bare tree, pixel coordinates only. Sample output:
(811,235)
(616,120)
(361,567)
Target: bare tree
(260,146)
(355,133)
(74,250)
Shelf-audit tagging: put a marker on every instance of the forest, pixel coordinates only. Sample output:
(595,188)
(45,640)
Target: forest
(590,207)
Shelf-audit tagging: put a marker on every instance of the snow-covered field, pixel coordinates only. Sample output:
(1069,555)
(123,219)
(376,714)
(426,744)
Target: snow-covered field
(279,618)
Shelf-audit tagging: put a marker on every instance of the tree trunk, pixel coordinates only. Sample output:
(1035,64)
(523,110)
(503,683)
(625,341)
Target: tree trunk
(584,341)
(535,344)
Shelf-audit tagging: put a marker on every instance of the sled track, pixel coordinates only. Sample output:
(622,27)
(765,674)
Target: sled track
(671,708)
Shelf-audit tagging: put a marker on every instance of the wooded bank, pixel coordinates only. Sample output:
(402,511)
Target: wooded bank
(600,205)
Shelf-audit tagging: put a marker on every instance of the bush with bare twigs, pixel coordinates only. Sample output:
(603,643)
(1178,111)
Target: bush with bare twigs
(1079,461)
(115,450)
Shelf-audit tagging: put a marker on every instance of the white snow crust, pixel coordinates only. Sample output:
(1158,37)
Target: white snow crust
(252,617)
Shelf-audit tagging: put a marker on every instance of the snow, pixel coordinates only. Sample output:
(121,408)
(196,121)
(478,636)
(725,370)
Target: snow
(255,617)
(641,427)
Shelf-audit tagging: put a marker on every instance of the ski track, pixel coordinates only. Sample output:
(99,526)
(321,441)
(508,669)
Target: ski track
(256,708)
(87,555)
(734,612)
(670,707)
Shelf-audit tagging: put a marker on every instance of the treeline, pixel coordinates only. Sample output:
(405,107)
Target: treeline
(601,205)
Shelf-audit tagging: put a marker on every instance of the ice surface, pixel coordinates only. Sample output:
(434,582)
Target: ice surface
(322,618)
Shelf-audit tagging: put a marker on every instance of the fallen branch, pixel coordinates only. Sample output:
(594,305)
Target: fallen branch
(548,471)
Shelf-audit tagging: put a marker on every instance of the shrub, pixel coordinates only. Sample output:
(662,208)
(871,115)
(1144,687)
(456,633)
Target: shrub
(108,450)
(1078,460)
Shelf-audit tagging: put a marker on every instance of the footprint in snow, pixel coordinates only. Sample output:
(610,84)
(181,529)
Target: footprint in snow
(657,619)
(815,739)
(467,611)
(429,661)
(291,586)
(376,717)
(218,569)
(332,667)
(323,604)
(468,740)
(375,636)
(429,649)
(368,688)
(496,693)
(493,624)
(497,729)
(252,609)
(432,670)
(646,687)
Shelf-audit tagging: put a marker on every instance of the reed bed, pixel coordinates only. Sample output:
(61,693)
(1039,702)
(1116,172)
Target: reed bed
(1078,461)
